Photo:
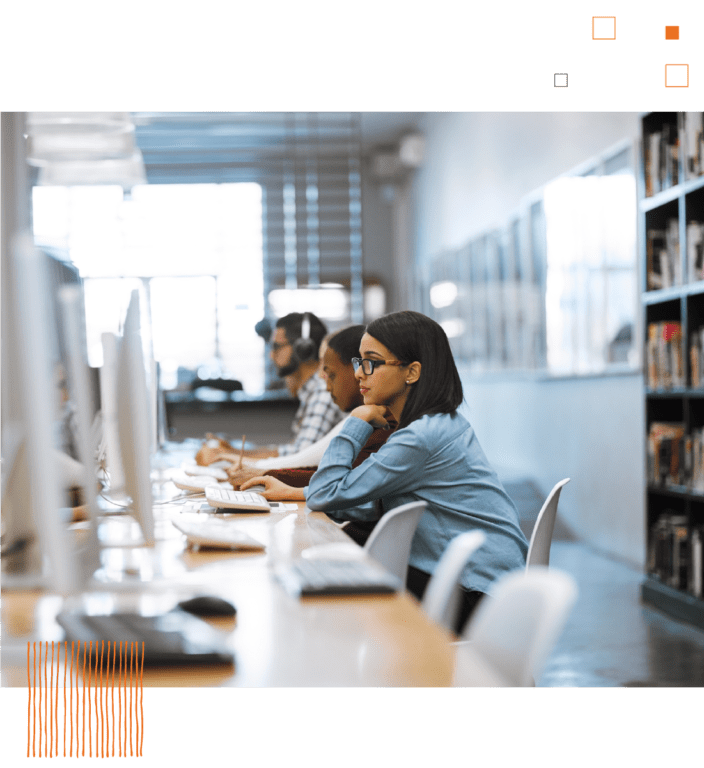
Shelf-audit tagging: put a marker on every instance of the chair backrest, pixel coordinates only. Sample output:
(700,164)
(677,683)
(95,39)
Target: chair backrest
(390,541)
(516,627)
(441,598)
(541,538)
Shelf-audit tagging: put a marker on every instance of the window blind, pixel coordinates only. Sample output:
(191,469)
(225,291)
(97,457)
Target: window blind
(309,167)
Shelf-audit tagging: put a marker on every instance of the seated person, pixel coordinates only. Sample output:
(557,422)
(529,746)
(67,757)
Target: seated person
(287,483)
(407,368)
(294,350)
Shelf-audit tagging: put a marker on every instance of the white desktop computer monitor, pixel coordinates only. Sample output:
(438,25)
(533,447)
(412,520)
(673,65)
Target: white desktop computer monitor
(108,407)
(36,548)
(80,392)
(134,421)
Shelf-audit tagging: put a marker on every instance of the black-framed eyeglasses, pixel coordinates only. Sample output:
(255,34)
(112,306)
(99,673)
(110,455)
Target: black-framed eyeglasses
(368,365)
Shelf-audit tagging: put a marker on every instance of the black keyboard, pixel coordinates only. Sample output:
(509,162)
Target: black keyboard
(303,578)
(175,638)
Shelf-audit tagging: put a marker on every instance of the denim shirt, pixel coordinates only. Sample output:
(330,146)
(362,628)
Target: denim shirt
(436,459)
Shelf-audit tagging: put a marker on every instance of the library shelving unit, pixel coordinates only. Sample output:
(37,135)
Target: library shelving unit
(671,223)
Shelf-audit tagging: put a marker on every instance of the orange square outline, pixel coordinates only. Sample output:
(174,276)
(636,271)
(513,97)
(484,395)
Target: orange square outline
(668,32)
(676,65)
(603,17)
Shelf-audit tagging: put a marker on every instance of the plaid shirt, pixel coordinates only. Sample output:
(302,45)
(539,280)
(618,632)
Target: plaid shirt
(315,417)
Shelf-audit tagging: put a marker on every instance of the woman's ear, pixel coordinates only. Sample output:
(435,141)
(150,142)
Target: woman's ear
(413,373)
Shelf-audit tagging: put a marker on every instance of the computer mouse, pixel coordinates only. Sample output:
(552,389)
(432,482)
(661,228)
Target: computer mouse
(334,550)
(207,605)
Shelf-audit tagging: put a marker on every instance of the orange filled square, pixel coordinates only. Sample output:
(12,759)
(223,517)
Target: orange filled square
(672,33)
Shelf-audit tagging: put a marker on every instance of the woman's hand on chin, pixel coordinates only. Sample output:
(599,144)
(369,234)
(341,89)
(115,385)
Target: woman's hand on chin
(372,414)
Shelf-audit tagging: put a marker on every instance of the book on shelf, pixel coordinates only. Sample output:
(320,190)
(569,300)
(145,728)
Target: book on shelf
(696,477)
(661,159)
(666,454)
(695,250)
(670,173)
(663,256)
(696,356)
(695,569)
(664,355)
(652,162)
(675,458)
(675,552)
(693,143)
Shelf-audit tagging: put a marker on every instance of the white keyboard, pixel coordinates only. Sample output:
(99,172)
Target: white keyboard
(193,482)
(302,578)
(217,534)
(198,471)
(242,501)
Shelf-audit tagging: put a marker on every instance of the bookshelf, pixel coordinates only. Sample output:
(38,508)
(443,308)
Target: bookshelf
(671,229)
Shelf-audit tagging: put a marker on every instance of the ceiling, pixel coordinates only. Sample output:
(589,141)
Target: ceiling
(376,127)
(232,146)
(386,127)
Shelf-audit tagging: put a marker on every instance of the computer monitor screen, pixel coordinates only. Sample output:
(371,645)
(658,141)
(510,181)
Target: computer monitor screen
(134,420)
(108,389)
(82,398)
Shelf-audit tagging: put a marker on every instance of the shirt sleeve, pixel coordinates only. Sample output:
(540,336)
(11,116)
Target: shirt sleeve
(319,417)
(309,456)
(396,467)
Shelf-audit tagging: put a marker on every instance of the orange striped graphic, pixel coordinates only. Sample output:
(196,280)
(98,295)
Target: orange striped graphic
(99,685)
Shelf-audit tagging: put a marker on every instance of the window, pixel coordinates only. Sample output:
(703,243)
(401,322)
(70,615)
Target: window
(195,253)
(590,297)
(309,167)
(556,287)
(241,209)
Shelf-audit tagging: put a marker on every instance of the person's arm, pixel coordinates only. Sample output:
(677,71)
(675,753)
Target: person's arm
(308,457)
(319,417)
(378,437)
(275,490)
(397,466)
(296,478)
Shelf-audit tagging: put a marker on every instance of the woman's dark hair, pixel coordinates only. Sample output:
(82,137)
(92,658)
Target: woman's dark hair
(345,342)
(412,337)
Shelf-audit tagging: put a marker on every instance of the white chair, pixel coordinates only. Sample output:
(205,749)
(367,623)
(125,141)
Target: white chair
(541,538)
(390,541)
(513,631)
(441,599)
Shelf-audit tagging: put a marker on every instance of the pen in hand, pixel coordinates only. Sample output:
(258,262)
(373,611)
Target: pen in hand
(239,466)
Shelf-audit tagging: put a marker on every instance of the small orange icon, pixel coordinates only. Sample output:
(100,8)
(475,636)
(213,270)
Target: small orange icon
(686,85)
(594,18)
(672,33)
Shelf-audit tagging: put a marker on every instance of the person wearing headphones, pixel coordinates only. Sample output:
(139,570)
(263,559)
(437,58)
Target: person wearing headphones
(294,350)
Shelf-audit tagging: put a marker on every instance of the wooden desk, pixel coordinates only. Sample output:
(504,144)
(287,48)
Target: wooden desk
(277,640)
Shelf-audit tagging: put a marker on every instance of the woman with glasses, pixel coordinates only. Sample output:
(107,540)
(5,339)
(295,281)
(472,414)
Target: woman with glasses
(406,370)
(282,484)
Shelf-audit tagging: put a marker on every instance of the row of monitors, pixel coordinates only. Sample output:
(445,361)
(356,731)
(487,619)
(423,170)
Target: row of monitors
(34,530)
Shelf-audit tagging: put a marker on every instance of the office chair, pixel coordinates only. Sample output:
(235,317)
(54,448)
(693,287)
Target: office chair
(441,599)
(513,632)
(390,541)
(541,538)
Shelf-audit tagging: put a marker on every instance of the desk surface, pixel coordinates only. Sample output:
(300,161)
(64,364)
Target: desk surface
(277,640)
